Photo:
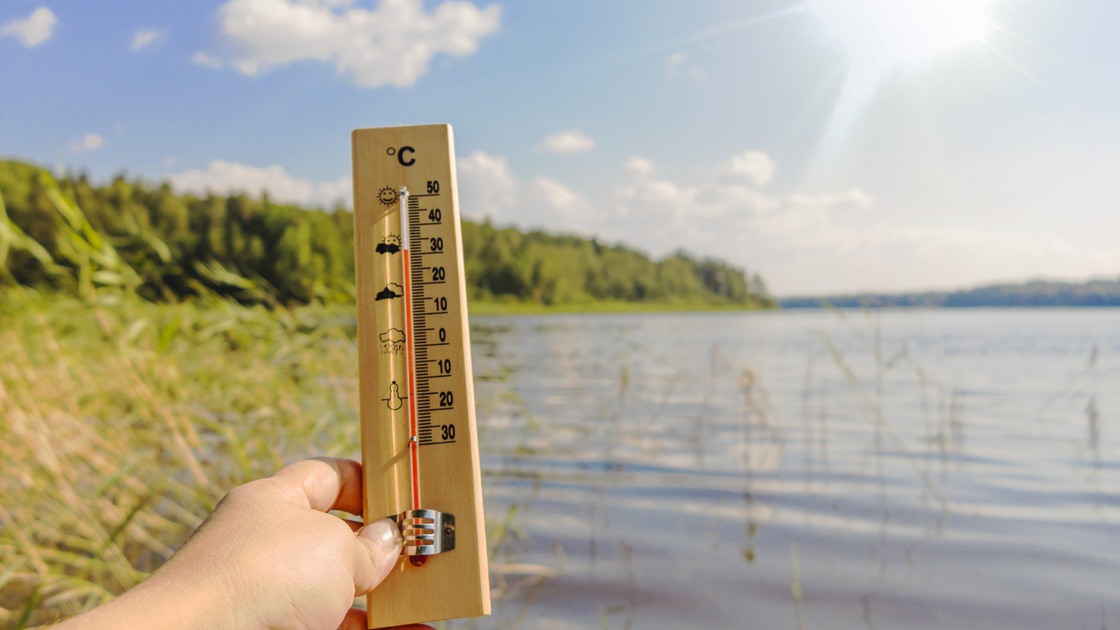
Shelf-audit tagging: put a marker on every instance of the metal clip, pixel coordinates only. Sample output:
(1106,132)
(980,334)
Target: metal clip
(426,532)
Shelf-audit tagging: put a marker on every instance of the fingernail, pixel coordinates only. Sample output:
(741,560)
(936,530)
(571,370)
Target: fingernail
(384,535)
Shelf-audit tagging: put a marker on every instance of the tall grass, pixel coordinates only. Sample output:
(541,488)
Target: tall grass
(123,422)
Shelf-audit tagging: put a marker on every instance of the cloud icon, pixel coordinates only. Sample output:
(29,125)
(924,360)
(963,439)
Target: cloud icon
(393,336)
(391,290)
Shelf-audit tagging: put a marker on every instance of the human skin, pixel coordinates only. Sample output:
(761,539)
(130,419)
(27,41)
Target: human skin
(269,556)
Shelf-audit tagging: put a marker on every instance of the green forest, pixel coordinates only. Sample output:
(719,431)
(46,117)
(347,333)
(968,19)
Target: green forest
(70,235)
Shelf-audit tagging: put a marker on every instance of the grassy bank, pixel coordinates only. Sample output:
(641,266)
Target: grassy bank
(124,422)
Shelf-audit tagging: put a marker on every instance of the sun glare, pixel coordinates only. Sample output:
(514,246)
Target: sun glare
(885,34)
(884,37)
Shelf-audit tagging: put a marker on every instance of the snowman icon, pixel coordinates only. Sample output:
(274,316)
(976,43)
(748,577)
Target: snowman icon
(394,400)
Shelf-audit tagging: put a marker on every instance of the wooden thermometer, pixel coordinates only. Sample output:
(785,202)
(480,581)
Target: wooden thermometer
(419,441)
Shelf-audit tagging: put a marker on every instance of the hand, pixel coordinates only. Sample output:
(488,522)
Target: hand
(269,556)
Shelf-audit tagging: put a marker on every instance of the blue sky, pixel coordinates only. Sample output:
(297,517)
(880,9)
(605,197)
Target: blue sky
(830,145)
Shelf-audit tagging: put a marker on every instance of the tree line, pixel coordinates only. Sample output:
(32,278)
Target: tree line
(1030,294)
(71,235)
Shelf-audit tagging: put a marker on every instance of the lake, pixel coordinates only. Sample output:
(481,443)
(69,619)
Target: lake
(806,469)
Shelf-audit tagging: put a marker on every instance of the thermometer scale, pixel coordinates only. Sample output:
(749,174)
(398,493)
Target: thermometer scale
(419,439)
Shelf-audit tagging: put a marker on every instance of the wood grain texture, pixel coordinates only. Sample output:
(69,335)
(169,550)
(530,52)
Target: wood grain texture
(455,583)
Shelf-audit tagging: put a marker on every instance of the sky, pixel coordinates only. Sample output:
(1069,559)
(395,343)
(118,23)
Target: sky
(831,146)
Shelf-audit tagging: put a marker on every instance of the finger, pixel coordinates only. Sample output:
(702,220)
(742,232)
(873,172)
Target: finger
(349,497)
(354,525)
(323,484)
(355,619)
(377,547)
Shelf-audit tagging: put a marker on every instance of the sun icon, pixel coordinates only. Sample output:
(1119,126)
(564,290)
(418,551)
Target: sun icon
(387,195)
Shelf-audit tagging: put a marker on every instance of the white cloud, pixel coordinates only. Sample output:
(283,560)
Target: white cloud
(678,65)
(638,166)
(146,37)
(822,241)
(675,60)
(851,198)
(486,183)
(202,59)
(877,256)
(729,215)
(638,188)
(801,241)
(225,178)
(567,143)
(644,196)
(488,188)
(721,199)
(86,144)
(33,30)
(393,44)
(557,197)
(756,166)
(333,193)
(734,190)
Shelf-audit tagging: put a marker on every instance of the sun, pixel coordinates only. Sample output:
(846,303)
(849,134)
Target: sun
(882,38)
(886,34)
(387,195)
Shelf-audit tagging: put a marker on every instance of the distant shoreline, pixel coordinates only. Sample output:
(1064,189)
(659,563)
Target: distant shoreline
(925,307)
(1032,294)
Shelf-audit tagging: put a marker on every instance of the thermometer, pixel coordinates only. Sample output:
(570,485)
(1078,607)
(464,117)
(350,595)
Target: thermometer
(419,438)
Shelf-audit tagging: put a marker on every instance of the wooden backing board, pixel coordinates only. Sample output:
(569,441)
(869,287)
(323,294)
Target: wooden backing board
(454,583)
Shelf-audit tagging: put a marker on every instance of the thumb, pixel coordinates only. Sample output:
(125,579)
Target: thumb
(379,547)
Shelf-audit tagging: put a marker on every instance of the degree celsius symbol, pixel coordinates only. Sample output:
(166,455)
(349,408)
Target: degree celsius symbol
(401,154)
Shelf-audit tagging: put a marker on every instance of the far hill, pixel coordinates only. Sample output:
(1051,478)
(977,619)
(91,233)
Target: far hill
(71,235)
(1035,293)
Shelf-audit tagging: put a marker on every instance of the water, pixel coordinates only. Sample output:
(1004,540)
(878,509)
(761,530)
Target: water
(802,469)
